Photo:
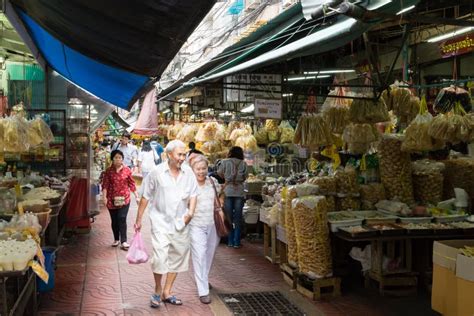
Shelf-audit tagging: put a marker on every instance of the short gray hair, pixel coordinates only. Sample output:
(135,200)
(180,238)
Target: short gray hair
(172,145)
(195,159)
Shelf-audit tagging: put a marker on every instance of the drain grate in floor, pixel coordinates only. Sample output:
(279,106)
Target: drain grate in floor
(259,303)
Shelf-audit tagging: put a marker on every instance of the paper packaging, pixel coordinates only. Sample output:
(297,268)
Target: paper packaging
(444,295)
(465,285)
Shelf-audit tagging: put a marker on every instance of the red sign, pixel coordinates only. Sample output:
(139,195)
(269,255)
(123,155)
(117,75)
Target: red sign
(457,46)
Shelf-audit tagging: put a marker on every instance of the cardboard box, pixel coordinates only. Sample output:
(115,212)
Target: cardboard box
(444,295)
(465,285)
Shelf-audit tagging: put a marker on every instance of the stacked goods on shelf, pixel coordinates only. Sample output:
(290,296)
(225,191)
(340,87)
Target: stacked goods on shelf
(327,187)
(312,236)
(313,131)
(290,228)
(347,190)
(360,137)
(336,110)
(370,194)
(428,181)
(395,169)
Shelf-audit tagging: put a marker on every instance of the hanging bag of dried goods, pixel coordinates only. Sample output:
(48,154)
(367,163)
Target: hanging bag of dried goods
(15,133)
(336,109)
(360,137)
(428,181)
(312,236)
(463,124)
(287,133)
(447,98)
(417,136)
(313,131)
(365,109)
(395,169)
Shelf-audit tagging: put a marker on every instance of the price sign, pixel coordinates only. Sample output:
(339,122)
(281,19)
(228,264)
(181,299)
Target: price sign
(268,108)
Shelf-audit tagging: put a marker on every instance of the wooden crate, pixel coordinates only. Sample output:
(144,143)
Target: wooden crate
(319,288)
(404,284)
(289,274)
(270,246)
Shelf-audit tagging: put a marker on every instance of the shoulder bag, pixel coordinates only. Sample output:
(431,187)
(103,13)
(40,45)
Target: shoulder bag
(221,222)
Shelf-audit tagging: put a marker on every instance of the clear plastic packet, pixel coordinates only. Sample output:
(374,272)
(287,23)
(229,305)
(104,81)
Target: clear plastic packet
(359,137)
(287,133)
(15,133)
(247,142)
(370,194)
(187,133)
(395,169)
(262,136)
(428,181)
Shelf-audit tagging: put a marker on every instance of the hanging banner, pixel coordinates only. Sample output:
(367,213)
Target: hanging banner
(457,46)
(268,108)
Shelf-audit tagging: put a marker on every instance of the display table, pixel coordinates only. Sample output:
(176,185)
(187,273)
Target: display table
(404,280)
(18,292)
(55,231)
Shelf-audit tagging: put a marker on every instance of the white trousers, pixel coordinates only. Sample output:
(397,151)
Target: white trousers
(204,242)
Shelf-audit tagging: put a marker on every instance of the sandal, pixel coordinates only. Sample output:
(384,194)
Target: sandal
(125,246)
(173,300)
(155,301)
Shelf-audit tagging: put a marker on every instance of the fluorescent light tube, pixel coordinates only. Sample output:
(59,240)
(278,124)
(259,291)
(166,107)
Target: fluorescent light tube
(330,71)
(205,110)
(226,113)
(406,9)
(307,78)
(166,111)
(450,34)
(248,109)
(183,106)
(287,94)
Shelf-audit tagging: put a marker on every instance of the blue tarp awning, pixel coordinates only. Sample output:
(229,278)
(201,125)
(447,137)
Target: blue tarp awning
(114,49)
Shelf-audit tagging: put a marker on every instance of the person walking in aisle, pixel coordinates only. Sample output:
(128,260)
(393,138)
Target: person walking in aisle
(171,191)
(234,171)
(157,148)
(117,184)
(147,159)
(204,238)
(130,151)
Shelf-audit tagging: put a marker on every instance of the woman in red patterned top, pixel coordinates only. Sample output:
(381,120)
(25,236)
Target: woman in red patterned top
(116,186)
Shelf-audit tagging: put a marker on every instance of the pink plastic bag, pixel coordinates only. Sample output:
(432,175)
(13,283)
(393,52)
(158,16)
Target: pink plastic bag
(137,253)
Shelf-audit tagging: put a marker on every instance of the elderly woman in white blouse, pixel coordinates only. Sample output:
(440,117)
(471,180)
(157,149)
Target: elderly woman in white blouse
(204,238)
